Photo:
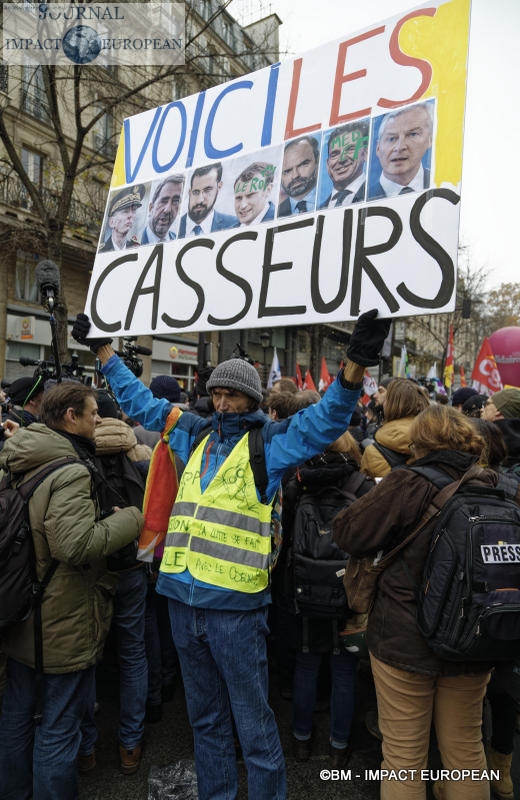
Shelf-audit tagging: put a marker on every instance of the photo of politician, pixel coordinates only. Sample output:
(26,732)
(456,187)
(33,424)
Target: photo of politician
(252,193)
(201,216)
(299,176)
(343,165)
(401,151)
(123,218)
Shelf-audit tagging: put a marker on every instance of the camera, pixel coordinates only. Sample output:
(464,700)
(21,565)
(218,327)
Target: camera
(130,354)
(47,369)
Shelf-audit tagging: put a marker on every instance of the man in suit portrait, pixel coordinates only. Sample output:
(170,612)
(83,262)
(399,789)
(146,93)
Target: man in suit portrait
(121,218)
(299,176)
(163,211)
(404,137)
(252,190)
(347,152)
(205,184)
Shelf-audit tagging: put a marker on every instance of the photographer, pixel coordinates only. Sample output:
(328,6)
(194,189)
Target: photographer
(26,396)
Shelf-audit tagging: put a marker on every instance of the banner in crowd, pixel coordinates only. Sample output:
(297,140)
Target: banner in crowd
(485,376)
(450,361)
(305,192)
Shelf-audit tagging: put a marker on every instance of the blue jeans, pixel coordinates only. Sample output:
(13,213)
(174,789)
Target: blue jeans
(343,668)
(128,623)
(223,660)
(39,762)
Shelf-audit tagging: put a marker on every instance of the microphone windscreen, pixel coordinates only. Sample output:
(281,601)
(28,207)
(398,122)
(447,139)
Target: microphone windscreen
(48,276)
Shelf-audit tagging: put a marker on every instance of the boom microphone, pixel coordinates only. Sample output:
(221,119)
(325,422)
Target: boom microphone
(142,351)
(48,280)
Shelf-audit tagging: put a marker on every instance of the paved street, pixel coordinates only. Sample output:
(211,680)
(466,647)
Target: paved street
(170,741)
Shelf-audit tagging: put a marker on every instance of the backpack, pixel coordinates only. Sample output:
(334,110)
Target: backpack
(20,591)
(119,482)
(316,564)
(468,605)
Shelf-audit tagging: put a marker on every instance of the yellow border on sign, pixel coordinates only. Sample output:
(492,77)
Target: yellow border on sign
(443,40)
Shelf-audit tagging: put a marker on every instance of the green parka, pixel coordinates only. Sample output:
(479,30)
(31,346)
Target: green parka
(77,604)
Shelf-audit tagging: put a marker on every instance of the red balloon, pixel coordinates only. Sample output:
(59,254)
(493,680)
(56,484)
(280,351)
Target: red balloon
(505,344)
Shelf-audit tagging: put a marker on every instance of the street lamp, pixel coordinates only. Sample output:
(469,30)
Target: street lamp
(265,342)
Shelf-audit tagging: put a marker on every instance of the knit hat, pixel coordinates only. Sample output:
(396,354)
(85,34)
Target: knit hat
(507,402)
(237,374)
(25,389)
(459,397)
(107,407)
(166,386)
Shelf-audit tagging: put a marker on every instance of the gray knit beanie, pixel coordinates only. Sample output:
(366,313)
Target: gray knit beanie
(237,374)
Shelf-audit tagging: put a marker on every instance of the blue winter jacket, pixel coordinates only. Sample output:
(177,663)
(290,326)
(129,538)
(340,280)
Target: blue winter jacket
(287,444)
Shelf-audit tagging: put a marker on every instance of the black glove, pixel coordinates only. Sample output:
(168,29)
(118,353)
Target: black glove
(80,331)
(367,339)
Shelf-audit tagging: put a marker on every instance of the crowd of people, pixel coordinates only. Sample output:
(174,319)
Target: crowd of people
(200,607)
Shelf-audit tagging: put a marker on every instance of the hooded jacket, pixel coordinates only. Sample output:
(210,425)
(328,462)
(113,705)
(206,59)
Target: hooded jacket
(396,436)
(286,443)
(76,607)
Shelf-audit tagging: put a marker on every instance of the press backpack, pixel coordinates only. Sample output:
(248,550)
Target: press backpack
(468,605)
(315,563)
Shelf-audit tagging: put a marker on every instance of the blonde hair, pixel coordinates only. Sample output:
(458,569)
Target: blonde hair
(443,428)
(346,444)
(404,398)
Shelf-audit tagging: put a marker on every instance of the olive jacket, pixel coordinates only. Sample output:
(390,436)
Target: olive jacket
(77,604)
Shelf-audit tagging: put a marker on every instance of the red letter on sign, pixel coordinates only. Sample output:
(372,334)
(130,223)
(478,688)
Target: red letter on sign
(290,130)
(399,57)
(341,78)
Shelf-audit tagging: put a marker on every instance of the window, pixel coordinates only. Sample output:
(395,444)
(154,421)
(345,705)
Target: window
(26,287)
(33,165)
(34,99)
(103,134)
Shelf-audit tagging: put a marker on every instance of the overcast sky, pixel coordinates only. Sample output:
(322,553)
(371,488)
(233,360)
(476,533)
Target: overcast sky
(491,175)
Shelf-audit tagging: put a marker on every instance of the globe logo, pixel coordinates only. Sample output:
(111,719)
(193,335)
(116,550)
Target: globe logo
(81,44)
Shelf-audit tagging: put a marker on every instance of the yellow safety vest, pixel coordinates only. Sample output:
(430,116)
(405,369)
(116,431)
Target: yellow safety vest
(222,535)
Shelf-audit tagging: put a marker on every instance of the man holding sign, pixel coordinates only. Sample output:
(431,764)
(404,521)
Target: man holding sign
(216,563)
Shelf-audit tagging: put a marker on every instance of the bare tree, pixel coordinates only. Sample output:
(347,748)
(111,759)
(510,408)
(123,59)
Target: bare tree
(81,111)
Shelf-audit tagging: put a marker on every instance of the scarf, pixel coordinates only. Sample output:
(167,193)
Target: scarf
(160,492)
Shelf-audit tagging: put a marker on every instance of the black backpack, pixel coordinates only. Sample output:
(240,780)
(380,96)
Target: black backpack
(468,605)
(315,563)
(119,482)
(20,591)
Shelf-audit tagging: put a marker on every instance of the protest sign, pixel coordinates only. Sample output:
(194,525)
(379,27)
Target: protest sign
(306,192)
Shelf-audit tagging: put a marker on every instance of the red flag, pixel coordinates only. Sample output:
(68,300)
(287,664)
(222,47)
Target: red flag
(325,379)
(448,368)
(462,376)
(308,383)
(485,376)
(299,382)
